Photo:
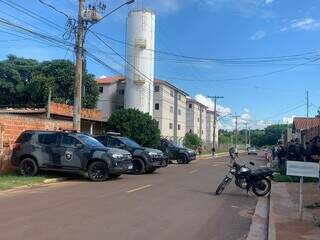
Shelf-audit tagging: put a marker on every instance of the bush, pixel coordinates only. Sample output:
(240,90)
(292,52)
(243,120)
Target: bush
(136,125)
(192,141)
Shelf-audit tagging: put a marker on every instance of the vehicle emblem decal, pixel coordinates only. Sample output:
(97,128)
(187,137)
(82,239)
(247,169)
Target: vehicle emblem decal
(68,156)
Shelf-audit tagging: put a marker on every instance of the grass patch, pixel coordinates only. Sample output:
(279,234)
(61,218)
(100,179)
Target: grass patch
(284,178)
(13,180)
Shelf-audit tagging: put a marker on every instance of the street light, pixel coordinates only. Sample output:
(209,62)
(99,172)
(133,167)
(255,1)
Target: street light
(109,13)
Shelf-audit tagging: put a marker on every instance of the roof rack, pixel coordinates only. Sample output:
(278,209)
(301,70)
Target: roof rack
(113,133)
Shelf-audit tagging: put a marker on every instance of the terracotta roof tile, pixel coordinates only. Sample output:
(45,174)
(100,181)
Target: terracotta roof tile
(110,80)
(302,123)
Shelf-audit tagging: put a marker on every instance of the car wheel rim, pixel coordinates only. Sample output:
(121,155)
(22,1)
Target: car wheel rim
(27,168)
(98,171)
(137,167)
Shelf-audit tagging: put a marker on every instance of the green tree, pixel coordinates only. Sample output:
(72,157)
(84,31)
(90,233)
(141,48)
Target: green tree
(192,141)
(26,81)
(136,125)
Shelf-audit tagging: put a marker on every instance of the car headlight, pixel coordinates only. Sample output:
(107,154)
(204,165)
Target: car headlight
(152,154)
(117,156)
(190,151)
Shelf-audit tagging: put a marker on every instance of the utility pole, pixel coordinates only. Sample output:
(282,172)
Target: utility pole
(214,118)
(236,141)
(246,133)
(79,69)
(87,18)
(249,137)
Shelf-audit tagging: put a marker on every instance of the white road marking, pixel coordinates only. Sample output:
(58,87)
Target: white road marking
(193,171)
(139,188)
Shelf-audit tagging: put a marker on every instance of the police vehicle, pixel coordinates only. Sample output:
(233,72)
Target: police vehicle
(144,160)
(68,151)
(176,152)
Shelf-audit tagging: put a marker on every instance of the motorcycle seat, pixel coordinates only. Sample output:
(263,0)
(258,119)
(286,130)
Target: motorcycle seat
(261,171)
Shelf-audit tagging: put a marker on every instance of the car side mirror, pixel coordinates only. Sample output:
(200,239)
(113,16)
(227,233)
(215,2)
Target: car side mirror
(79,145)
(252,163)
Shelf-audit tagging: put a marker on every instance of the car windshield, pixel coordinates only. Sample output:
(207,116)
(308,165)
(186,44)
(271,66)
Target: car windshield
(173,144)
(90,141)
(129,142)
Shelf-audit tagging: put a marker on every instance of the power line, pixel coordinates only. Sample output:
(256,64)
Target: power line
(55,9)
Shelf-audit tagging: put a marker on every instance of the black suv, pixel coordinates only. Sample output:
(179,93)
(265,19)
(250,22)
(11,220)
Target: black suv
(72,152)
(145,160)
(176,152)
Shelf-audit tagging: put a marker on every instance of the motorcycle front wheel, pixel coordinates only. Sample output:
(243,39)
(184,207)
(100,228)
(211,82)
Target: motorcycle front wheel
(262,187)
(223,185)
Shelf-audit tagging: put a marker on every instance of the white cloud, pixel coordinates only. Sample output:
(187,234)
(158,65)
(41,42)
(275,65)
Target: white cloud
(258,35)
(269,1)
(222,111)
(306,24)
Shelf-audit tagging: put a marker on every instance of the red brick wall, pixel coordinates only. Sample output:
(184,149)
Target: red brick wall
(13,125)
(66,110)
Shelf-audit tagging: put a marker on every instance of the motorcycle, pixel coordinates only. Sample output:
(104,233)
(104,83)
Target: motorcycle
(245,178)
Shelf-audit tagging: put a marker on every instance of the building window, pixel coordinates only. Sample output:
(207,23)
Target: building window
(171,109)
(170,125)
(179,111)
(120,107)
(179,127)
(157,106)
(190,105)
(198,119)
(157,123)
(202,131)
(179,96)
(157,88)
(171,93)
(121,92)
(100,89)
(190,130)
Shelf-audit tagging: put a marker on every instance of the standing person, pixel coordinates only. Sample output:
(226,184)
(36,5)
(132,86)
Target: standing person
(300,151)
(291,149)
(213,150)
(281,155)
(315,152)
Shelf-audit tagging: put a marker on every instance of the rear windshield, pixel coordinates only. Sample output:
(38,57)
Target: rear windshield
(24,137)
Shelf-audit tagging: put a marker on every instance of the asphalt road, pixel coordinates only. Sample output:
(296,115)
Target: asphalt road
(177,202)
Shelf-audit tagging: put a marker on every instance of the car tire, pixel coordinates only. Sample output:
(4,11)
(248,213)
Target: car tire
(115,176)
(28,167)
(151,170)
(98,171)
(182,159)
(139,167)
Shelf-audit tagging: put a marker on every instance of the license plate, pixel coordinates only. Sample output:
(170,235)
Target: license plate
(130,166)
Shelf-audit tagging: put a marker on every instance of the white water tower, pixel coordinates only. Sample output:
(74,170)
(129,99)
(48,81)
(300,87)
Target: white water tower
(140,60)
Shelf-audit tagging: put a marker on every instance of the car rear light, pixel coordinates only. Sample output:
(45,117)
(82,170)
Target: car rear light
(16,146)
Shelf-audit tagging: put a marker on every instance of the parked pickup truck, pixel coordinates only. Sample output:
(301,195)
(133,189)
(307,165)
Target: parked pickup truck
(175,152)
(68,151)
(144,160)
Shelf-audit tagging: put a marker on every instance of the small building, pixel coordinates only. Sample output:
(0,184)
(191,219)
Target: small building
(170,110)
(306,128)
(196,118)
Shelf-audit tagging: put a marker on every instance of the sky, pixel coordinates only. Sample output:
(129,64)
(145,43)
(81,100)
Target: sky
(244,42)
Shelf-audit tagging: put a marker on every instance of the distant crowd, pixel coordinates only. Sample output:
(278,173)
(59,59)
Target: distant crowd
(296,151)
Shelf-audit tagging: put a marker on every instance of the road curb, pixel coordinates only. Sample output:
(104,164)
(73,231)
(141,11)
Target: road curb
(55,180)
(259,226)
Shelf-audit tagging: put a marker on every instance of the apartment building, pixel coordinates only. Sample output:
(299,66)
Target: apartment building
(196,118)
(175,112)
(209,129)
(170,110)
(111,95)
